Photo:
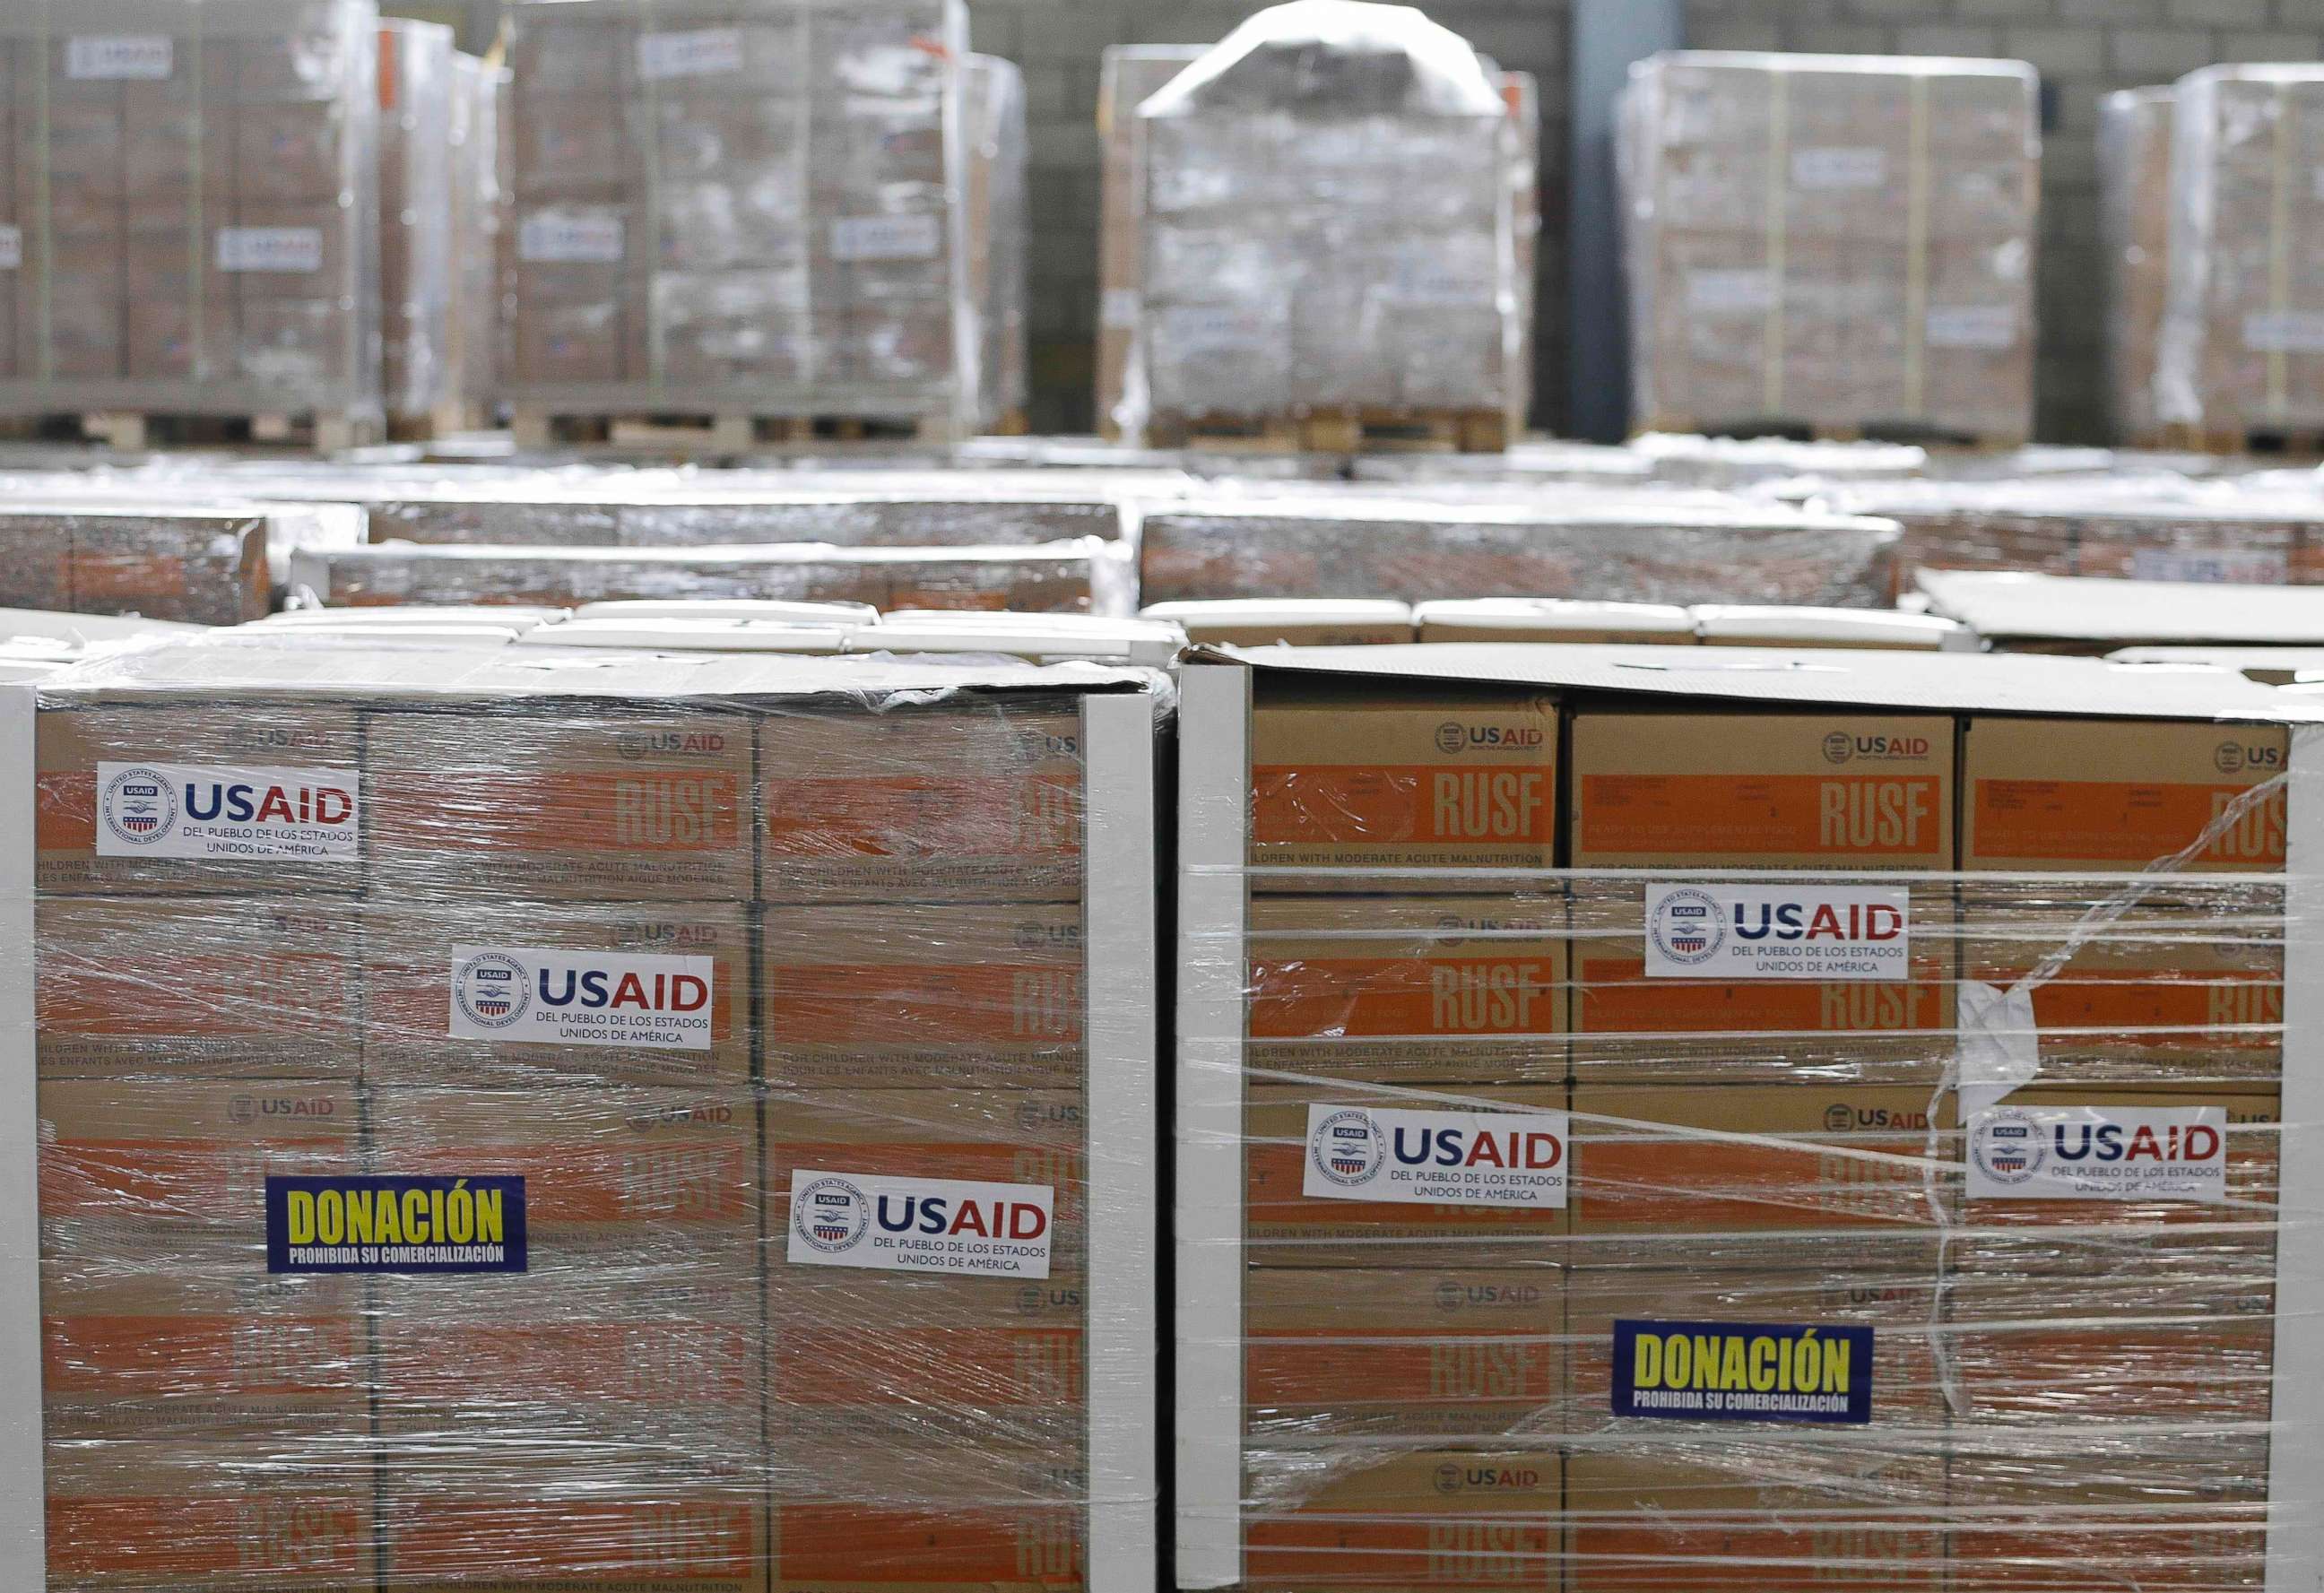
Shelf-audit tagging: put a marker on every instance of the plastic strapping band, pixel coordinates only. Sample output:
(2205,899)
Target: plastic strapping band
(2279,251)
(1917,250)
(1779,160)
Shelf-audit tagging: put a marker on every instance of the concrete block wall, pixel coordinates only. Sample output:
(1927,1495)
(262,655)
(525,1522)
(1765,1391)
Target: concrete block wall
(1059,42)
(2084,50)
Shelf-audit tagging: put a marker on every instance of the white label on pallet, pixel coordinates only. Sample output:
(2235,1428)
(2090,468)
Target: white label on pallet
(1428,1158)
(12,247)
(144,56)
(205,812)
(1121,309)
(2097,1153)
(561,996)
(2284,331)
(1732,291)
(886,237)
(703,52)
(884,1223)
(561,237)
(1839,168)
(1738,932)
(2239,567)
(1972,326)
(270,248)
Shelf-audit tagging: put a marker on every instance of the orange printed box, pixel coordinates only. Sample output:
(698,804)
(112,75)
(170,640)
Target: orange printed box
(2179,1512)
(924,995)
(2111,795)
(1762,790)
(945,803)
(1431,988)
(1397,1521)
(859,1546)
(1361,787)
(567,1524)
(650,994)
(163,988)
(570,805)
(1463,1354)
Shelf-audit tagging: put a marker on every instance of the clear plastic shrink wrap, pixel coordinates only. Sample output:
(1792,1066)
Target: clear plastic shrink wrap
(2243,336)
(190,223)
(421,104)
(2135,234)
(1327,222)
(752,207)
(479,207)
(998,224)
(1771,1120)
(1682,550)
(1830,241)
(217,565)
(481,1104)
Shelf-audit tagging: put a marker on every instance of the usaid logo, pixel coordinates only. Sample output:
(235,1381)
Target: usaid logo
(1839,747)
(1346,1148)
(492,990)
(831,1215)
(139,806)
(2008,1147)
(1687,927)
(1448,1478)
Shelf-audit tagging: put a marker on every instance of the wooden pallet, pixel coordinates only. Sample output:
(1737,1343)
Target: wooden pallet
(446,419)
(2288,442)
(1874,431)
(1010,423)
(713,433)
(136,431)
(1338,431)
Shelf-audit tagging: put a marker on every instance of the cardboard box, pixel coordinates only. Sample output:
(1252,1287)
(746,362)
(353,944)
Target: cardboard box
(417,1029)
(1761,790)
(1285,1228)
(960,801)
(185,1157)
(1685,1176)
(1474,989)
(1390,1520)
(555,1526)
(265,732)
(2179,1511)
(853,1546)
(1466,1355)
(2100,795)
(927,995)
(568,803)
(1630,1025)
(161,988)
(131,1515)
(1377,779)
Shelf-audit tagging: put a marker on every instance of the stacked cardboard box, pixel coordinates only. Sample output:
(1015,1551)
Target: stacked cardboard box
(421,102)
(1615,547)
(1325,220)
(1887,1076)
(1831,241)
(993,110)
(754,209)
(2244,330)
(479,207)
(2134,229)
(110,555)
(823,930)
(190,224)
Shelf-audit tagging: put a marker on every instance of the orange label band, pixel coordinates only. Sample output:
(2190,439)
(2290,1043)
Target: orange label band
(1419,803)
(1841,816)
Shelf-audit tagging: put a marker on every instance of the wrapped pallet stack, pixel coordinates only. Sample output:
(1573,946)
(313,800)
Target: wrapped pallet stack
(2242,341)
(193,230)
(1328,232)
(999,235)
(1832,243)
(2135,232)
(750,212)
(422,106)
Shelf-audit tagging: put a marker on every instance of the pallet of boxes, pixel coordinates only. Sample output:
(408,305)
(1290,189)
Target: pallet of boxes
(187,245)
(1832,245)
(672,1122)
(737,224)
(1779,1121)
(1326,236)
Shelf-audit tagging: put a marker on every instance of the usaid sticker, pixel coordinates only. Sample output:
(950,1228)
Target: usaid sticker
(270,248)
(98,57)
(551,996)
(395,1225)
(702,52)
(886,237)
(1824,932)
(2234,566)
(178,810)
(1356,1153)
(887,1224)
(2095,1153)
(565,237)
(12,248)
(1743,1372)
